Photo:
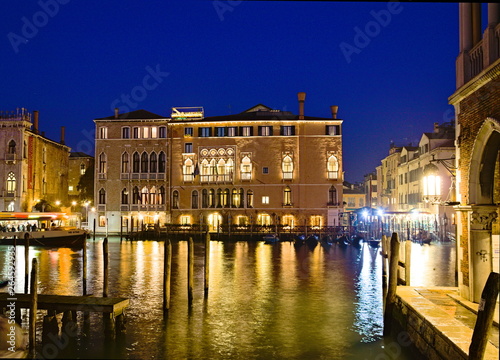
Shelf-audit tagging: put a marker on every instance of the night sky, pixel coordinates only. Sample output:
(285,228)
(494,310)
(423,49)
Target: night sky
(390,67)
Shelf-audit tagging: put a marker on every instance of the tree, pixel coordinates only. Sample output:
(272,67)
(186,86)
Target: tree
(86,184)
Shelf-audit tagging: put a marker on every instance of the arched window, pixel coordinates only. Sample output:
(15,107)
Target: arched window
(25,150)
(225,198)
(11,183)
(175,199)
(246,168)
(152,196)
(219,198)
(332,196)
(229,170)
(161,162)
(136,198)
(124,196)
(287,167)
(153,162)
(242,198)
(194,199)
(204,198)
(235,198)
(144,195)
(136,162)
(220,170)
(82,169)
(102,163)
(287,196)
(204,171)
(188,170)
(250,198)
(102,196)
(161,196)
(12,147)
(144,162)
(125,162)
(333,167)
(211,198)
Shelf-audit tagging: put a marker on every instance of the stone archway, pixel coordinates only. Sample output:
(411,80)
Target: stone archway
(483,162)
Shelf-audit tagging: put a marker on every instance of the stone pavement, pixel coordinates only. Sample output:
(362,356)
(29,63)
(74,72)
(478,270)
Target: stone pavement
(452,319)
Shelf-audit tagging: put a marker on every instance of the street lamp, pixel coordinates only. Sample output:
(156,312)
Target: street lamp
(432,184)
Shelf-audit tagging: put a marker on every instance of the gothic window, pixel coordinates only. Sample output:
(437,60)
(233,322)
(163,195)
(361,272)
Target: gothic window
(153,162)
(125,196)
(162,132)
(246,168)
(144,195)
(225,198)
(204,198)
(102,196)
(287,196)
(211,198)
(219,198)
(241,196)
(204,171)
(161,162)
(175,199)
(287,167)
(152,196)
(250,198)
(188,170)
(332,196)
(333,167)
(235,201)
(102,163)
(11,183)
(136,162)
(125,168)
(136,198)
(161,195)
(194,199)
(144,162)
(12,147)
(126,132)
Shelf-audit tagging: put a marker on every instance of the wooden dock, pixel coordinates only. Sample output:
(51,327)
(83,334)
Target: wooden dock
(62,303)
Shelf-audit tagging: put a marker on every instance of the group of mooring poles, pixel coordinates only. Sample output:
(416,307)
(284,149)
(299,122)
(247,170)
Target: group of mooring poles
(167,270)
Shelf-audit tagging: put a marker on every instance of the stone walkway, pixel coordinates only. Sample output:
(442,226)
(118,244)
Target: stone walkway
(451,317)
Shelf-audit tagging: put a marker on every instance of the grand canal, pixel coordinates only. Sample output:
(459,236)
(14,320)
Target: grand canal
(265,301)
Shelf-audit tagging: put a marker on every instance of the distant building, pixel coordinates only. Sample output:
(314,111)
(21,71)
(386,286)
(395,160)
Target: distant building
(261,166)
(477,108)
(354,197)
(33,168)
(131,177)
(78,164)
(372,192)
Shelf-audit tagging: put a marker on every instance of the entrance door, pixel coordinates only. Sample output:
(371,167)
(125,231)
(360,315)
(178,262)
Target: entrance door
(214,222)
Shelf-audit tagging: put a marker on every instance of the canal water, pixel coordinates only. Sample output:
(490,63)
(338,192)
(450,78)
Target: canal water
(264,302)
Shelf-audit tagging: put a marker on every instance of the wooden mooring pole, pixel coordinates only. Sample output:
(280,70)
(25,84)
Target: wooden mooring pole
(407,262)
(485,314)
(393,283)
(190,269)
(384,253)
(105,276)
(84,267)
(26,261)
(207,261)
(167,270)
(33,308)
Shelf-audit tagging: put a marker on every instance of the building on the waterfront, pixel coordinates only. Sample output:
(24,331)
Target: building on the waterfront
(477,114)
(354,196)
(261,166)
(33,168)
(79,163)
(131,184)
(418,184)
(371,189)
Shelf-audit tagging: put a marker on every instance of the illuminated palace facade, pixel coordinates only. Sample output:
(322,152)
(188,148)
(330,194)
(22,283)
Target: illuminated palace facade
(32,167)
(259,167)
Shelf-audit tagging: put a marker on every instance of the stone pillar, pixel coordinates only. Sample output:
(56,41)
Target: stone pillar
(476,23)
(493,14)
(489,39)
(465,11)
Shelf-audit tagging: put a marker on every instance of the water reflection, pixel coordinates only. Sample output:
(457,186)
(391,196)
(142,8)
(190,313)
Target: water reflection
(265,301)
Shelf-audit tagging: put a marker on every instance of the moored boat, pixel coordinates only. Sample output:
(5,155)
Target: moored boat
(270,238)
(41,229)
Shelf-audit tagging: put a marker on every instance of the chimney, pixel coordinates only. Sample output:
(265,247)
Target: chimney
(35,121)
(62,134)
(436,128)
(334,109)
(302,97)
(116,113)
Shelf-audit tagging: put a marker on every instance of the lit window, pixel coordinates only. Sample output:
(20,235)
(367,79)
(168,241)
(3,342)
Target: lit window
(264,219)
(102,221)
(316,221)
(246,130)
(188,170)
(250,198)
(70,188)
(265,199)
(154,132)
(333,167)
(287,196)
(265,130)
(246,168)
(82,169)
(287,167)
(102,163)
(175,199)
(103,132)
(232,131)
(185,220)
(332,130)
(11,183)
(145,132)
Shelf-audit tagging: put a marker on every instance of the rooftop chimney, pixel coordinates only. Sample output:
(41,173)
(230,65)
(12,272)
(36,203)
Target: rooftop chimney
(116,113)
(334,109)
(302,97)
(35,121)
(62,134)
(436,128)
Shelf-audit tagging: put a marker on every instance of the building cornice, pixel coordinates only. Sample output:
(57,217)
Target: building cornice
(483,78)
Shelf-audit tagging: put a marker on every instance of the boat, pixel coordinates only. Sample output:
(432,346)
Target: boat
(299,240)
(41,229)
(375,243)
(271,238)
(312,241)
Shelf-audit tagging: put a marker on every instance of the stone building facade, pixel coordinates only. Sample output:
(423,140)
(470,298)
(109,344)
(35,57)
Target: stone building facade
(33,168)
(78,164)
(477,108)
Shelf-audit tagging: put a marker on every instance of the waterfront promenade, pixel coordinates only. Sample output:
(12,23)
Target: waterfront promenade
(441,323)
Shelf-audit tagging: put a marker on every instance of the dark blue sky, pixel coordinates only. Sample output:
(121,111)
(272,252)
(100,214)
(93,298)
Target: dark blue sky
(77,61)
